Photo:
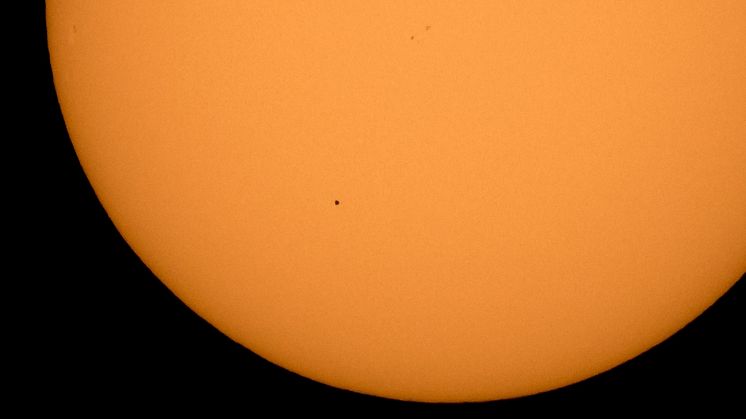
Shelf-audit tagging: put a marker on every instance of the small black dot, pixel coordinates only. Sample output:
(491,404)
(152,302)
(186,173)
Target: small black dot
(336,202)
(411,37)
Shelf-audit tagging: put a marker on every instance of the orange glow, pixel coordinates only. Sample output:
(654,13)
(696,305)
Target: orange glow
(422,200)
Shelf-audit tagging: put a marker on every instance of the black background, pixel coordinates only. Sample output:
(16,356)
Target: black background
(111,332)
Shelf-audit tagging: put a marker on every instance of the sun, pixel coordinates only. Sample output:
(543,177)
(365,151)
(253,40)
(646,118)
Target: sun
(430,201)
